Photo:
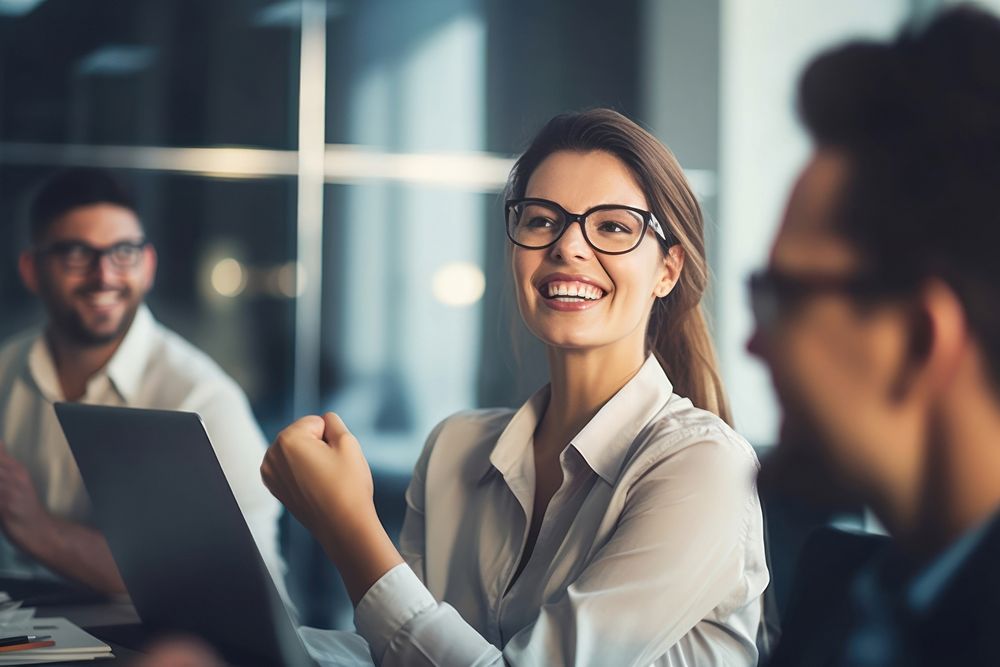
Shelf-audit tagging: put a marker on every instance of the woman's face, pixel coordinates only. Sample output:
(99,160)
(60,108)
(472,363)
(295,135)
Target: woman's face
(614,293)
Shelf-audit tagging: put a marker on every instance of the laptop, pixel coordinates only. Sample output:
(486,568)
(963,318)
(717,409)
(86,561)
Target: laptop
(179,539)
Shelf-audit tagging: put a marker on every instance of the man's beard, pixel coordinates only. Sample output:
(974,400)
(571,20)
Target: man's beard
(67,321)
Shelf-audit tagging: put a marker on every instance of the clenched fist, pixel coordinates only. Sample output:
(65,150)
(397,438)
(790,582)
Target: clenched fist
(316,469)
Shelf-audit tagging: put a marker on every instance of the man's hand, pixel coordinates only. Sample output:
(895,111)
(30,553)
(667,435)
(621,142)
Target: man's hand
(22,516)
(179,652)
(73,550)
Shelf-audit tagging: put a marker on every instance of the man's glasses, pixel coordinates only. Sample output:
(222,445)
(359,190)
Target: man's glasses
(78,257)
(609,228)
(775,295)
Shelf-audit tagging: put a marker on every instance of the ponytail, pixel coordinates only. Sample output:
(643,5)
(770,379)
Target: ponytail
(687,355)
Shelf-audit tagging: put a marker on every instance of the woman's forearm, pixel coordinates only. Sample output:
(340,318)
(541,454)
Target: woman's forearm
(364,557)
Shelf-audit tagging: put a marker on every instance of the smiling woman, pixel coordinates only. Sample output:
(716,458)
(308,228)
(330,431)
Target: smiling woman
(610,520)
(654,181)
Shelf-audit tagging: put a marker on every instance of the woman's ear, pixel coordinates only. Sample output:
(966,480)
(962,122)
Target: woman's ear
(673,263)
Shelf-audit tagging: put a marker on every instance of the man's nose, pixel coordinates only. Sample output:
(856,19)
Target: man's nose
(104,269)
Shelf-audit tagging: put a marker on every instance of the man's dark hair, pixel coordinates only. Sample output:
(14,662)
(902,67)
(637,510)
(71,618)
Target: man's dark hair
(919,121)
(72,188)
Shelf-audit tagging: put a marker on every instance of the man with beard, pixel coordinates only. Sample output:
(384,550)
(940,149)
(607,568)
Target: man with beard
(879,317)
(91,265)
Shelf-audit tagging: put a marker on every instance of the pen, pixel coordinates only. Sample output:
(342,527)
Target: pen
(21,639)
(26,647)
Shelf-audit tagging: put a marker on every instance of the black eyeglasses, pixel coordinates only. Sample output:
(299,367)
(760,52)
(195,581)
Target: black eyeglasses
(774,295)
(609,228)
(77,256)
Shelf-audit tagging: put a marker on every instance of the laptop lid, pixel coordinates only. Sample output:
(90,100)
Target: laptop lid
(177,534)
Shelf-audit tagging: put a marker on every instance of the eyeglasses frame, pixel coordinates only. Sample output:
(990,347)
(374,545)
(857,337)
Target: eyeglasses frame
(865,286)
(648,221)
(96,254)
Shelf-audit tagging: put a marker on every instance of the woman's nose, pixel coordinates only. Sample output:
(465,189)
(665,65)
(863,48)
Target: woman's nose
(572,243)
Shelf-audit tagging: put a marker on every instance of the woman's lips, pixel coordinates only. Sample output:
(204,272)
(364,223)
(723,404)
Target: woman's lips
(565,292)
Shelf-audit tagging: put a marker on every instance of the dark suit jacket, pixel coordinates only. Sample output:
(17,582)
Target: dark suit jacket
(962,626)
(819,616)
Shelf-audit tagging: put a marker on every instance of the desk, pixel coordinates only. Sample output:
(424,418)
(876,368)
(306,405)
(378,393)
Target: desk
(112,621)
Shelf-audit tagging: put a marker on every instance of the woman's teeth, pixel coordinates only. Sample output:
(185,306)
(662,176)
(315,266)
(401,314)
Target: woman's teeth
(573,291)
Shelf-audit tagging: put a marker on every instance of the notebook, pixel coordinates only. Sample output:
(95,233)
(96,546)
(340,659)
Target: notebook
(71,643)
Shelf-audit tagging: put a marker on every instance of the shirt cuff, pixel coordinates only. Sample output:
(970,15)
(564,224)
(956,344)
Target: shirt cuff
(392,602)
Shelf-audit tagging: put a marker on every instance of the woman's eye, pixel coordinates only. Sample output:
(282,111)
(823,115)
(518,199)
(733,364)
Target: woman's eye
(538,222)
(611,227)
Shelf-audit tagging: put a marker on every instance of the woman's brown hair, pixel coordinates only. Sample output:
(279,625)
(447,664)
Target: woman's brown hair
(678,332)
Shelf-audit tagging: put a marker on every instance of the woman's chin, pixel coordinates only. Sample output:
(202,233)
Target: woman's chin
(573,342)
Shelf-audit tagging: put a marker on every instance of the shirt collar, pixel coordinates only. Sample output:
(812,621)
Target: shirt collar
(508,455)
(606,439)
(125,368)
(128,364)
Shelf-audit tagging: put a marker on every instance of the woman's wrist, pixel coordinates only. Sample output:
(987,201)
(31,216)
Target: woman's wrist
(362,552)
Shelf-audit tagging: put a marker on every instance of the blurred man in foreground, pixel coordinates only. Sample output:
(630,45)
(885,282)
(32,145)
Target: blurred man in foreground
(879,317)
(91,265)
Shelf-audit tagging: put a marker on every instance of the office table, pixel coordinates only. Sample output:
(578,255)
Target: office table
(113,621)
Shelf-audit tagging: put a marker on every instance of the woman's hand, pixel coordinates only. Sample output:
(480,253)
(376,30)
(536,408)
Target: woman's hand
(316,469)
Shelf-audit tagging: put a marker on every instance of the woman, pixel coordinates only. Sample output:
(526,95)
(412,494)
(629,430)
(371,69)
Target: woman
(609,521)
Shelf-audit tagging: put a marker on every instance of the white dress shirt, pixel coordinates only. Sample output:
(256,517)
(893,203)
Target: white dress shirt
(152,368)
(650,552)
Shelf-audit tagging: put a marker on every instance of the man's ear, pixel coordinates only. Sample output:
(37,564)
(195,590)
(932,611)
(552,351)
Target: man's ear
(149,264)
(673,263)
(937,338)
(27,266)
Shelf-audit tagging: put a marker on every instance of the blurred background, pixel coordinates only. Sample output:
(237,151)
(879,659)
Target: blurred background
(322,178)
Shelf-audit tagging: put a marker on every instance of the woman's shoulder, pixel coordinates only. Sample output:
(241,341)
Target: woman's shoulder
(481,417)
(682,432)
(478,424)
(466,436)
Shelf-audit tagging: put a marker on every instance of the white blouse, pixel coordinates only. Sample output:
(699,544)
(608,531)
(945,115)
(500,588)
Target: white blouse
(650,552)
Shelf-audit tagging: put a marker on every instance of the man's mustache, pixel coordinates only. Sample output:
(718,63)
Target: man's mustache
(86,290)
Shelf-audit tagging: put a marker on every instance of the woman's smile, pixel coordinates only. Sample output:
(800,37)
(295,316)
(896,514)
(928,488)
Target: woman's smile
(564,292)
